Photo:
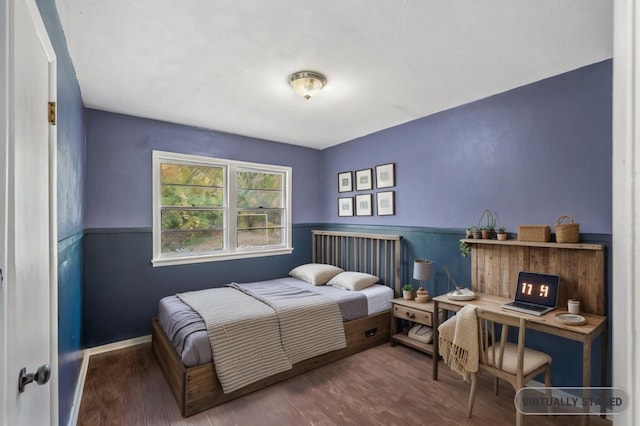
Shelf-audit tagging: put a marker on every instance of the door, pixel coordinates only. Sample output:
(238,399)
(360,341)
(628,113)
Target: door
(27,210)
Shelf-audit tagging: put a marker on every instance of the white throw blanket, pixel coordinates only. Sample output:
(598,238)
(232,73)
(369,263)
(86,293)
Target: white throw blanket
(458,342)
(246,333)
(260,329)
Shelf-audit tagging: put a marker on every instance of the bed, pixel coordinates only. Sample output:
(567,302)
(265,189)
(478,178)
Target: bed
(193,378)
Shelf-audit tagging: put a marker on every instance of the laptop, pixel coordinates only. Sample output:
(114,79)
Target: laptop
(536,293)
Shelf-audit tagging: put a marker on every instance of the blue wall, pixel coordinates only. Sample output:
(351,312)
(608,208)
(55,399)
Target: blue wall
(119,166)
(531,154)
(70,198)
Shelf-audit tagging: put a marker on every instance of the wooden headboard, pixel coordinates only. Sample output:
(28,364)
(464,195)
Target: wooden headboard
(375,254)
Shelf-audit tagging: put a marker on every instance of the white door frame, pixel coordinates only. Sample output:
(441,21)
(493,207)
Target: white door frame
(5,311)
(626,205)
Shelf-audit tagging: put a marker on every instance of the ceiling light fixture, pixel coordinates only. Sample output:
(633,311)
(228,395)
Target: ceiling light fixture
(307,83)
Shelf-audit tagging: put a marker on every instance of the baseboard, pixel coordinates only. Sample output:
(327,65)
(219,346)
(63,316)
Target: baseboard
(86,355)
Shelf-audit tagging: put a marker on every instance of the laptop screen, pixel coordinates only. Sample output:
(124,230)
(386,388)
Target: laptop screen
(540,289)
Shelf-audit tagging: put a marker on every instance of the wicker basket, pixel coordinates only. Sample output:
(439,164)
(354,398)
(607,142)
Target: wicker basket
(566,230)
(534,233)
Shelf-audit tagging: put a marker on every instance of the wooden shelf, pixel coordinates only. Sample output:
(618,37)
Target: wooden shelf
(574,246)
(413,343)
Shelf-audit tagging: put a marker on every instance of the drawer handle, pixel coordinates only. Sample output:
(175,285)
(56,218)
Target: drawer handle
(411,315)
(371,333)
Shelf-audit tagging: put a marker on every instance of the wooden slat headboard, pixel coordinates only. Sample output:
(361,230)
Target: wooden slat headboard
(376,254)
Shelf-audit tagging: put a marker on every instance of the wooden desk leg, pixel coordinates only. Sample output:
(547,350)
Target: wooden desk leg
(436,323)
(586,375)
(603,367)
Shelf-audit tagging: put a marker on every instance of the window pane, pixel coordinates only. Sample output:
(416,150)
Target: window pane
(259,180)
(192,175)
(247,198)
(191,241)
(192,219)
(259,237)
(192,196)
(260,219)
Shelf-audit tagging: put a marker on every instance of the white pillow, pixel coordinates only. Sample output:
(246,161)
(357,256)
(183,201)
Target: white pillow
(315,273)
(353,280)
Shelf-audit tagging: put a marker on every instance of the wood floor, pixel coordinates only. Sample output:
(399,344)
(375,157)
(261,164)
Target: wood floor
(382,386)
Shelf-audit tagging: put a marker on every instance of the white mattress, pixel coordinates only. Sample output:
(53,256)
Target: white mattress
(192,343)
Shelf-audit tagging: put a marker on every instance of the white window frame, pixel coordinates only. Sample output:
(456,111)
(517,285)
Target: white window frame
(230,251)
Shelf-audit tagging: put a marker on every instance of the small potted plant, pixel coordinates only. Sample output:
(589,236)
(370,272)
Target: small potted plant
(470,231)
(407,292)
(501,233)
(488,229)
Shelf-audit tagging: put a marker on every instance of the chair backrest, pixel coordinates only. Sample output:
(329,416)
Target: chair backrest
(493,330)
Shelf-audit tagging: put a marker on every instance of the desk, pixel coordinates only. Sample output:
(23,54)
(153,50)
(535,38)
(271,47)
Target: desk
(595,326)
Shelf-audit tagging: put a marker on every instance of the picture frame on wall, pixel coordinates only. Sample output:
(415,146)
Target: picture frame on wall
(364,180)
(345,206)
(385,202)
(345,182)
(386,175)
(363,205)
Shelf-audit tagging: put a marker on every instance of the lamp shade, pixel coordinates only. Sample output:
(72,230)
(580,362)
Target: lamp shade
(422,269)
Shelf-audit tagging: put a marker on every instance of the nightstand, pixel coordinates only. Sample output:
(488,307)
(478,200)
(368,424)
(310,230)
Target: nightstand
(415,312)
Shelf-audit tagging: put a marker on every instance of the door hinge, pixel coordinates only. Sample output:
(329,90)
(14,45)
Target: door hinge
(52,113)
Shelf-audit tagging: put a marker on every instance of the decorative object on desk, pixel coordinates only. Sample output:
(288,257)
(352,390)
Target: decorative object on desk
(422,271)
(566,230)
(386,175)
(573,306)
(464,249)
(487,224)
(407,292)
(570,319)
(534,233)
(345,206)
(459,293)
(364,180)
(421,333)
(386,203)
(422,295)
(501,233)
(345,182)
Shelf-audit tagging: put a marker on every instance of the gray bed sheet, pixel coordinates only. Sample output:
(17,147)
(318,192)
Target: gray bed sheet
(188,334)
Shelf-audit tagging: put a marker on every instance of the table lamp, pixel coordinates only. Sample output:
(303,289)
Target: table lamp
(422,269)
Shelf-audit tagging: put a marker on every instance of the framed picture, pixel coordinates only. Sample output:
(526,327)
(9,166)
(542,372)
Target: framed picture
(386,175)
(386,203)
(363,205)
(345,182)
(364,180)
(345,206)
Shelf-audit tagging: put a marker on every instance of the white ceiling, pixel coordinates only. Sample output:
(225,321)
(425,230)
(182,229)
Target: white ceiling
(224,64)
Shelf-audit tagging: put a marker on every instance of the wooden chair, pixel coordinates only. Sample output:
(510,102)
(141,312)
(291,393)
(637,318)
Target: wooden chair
(508,361)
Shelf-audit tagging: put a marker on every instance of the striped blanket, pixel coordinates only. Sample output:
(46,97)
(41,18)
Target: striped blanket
(257,330)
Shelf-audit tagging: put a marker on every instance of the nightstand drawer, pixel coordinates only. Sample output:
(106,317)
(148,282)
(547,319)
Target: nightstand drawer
(415,315)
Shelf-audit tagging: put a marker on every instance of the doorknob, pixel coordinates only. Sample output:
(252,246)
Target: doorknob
(41,377)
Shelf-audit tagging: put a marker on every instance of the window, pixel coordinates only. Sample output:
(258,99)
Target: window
(207,209)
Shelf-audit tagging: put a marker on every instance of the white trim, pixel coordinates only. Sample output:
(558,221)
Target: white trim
(230,168)
(625,314)
(82,375)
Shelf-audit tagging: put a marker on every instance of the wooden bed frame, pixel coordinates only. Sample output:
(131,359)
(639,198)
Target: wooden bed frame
(197,388)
